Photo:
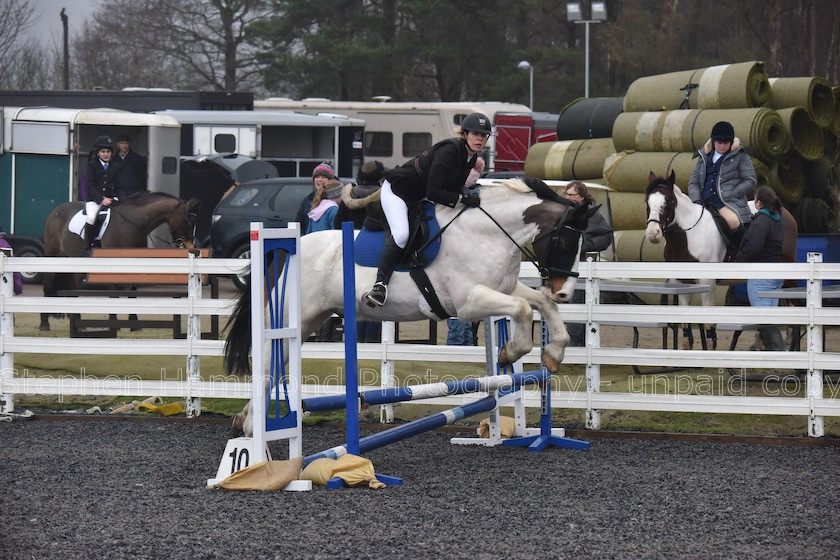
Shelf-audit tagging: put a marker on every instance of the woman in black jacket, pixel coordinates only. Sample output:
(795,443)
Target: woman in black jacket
(440,175)
(763,243)
(102,184)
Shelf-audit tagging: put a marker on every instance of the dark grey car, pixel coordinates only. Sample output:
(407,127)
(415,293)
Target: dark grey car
(274,202)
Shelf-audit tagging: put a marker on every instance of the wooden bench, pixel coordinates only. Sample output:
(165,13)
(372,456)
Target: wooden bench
(127,284)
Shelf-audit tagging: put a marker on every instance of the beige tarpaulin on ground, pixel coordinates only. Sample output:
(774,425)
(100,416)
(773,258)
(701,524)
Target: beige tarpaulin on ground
(507,427)
(267,475)
(687,131)
(727,86)
(814,94)
(569,159)
(352,469)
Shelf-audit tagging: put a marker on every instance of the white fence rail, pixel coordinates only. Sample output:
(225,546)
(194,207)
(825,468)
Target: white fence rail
(812,358)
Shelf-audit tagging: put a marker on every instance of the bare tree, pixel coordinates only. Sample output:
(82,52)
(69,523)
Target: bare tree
(22,60)
(200,44)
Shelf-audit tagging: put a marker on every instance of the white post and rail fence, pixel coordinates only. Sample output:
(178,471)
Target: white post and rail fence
(809,396)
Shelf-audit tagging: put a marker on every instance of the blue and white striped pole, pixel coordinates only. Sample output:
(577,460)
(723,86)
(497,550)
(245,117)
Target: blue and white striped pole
(351,357)
(408,430)
(431,390)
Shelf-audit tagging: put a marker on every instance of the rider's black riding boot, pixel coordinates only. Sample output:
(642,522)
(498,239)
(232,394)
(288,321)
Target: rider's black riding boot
(391,256)
(90,237)
(737,236)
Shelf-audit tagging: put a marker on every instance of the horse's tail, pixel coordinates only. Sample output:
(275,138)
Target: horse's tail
(238,327)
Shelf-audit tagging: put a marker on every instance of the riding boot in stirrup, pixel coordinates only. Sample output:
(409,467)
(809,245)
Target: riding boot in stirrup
(391,256)
(90,236)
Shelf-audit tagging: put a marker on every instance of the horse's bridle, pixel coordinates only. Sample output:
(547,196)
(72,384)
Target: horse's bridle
(671,217)
(190,219)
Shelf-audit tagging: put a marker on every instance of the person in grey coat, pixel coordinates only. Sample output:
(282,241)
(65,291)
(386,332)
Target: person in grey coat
(723,179)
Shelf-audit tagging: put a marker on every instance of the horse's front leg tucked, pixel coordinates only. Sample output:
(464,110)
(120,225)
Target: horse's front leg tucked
(555,350)
(483,302)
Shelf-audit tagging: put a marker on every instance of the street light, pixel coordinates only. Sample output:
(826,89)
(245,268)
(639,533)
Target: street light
(525,65)
(599,14)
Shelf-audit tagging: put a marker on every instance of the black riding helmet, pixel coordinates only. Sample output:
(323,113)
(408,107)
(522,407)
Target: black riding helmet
(723,131)
(476,122)
(103,142)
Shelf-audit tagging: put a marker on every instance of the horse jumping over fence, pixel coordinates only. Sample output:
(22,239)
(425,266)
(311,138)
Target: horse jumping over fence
(130,225)
(475,274)
(691,235)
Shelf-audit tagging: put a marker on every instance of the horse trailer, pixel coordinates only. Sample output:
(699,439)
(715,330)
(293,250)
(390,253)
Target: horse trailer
(295,143)
(43,158)
(397,131)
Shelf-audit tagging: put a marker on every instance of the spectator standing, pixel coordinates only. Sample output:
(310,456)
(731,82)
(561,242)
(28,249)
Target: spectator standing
(763,243)
(132,170)
(360,204)
(597,237)
(324,206)
(322,173)
(17,280)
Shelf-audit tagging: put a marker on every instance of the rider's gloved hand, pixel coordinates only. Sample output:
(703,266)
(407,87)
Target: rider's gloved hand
(471,200)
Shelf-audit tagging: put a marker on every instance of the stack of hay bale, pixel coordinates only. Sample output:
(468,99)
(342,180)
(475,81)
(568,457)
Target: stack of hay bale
(789,127)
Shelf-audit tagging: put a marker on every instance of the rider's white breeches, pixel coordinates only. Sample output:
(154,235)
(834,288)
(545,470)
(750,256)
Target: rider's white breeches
(91,210)
(396,212)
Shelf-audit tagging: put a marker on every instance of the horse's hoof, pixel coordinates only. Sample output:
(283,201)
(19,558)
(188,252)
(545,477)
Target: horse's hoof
(503,360)
(551,365)
(237,428)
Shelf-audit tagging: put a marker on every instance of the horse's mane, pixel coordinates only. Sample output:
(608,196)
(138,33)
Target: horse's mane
(536,186)
(147,197)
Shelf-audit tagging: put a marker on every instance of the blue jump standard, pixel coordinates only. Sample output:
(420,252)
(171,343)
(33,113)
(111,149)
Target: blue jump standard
(417,392)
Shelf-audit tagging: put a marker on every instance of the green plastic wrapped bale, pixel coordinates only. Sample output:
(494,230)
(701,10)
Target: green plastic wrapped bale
(588,118)
(815,216)
(762,173)
(728,86)
(823,181)
(688,130)
(632,246)
(814,94)
(788,178)
(569,159)
(629,171)
(806,136)
(835,123)
(628,210)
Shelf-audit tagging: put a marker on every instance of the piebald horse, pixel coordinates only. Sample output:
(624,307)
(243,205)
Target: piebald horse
(691,234)
(475,273)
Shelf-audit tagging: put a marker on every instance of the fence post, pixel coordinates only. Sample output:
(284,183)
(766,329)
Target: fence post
(592,340)
(193,335)
(386,377)
(816,425)
(7,326)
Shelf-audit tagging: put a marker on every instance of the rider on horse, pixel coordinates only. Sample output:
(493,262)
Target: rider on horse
(438,174)
(102,184)
(723,178)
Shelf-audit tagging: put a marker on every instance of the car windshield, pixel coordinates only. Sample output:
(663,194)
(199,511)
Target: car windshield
(243,196)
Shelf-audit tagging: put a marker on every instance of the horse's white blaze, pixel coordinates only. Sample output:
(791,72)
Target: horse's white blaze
(656,202)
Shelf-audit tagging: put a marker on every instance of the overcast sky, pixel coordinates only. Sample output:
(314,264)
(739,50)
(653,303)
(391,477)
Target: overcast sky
(48,20)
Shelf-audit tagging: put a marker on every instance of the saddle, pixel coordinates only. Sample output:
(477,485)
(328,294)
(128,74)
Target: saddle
(723,228)
(78,221)
(419,253)
(423,226)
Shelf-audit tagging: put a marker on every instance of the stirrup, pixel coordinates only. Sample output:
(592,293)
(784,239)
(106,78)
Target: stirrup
(377,295)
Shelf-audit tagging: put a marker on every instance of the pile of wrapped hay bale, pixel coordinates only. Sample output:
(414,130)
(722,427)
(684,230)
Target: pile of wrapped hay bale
(790,127)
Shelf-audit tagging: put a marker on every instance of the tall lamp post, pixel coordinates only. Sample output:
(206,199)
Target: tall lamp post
(575,15)
(525,65)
